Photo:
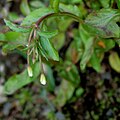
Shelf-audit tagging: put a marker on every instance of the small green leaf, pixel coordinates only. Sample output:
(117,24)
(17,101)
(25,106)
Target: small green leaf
(87,54)
(47,34)
(2,38)
(109,44)
(15,27)
(18,81)
(49,77)
(9,47)
(24,7)
(13,16)
(114,61)
(68,71)
(35,15)
(88,42)
(58,41)
(14,40)
(56,5)
(64,93)
(118,3)
(95,62)
(70,8)
(79,92)
(75,50)
(49,49)
(36,4)
(105,3)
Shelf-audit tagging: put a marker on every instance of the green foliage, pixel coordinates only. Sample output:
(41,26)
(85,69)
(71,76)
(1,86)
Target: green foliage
(46,31)
(60,40)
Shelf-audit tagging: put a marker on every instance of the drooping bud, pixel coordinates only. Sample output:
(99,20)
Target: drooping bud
(42,79)
(30,72)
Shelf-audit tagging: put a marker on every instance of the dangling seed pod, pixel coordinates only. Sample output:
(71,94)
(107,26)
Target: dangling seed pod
(30,72)
(42,79)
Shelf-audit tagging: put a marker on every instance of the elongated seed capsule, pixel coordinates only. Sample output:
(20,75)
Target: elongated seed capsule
(30,72)
(42,79)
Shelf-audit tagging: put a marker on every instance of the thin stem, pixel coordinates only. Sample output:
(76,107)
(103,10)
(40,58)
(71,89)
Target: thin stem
(28,51)
(76,18)
(41,65)
(34,55)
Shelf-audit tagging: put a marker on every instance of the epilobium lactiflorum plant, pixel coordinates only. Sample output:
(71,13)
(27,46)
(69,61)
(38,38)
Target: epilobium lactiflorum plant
(41,34)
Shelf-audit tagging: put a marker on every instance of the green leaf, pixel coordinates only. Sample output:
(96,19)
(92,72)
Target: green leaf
(47,34)
(18,81)
(51,2)
(114,61)
(88,42)
(68,71)
(58,41)
(8,47)
(70,8)
(101,17)
(36,4)
(50,78)
(24,7)
(95,62)
(49,49)
(2,37)
(13,16)
(108,44)
(35,15)
(75,50)
(55,5)
(87,54)
(105,3)
(102,23)
(107,31)
(118,3)
(14,40)
(64,93)
(15,27)
(79,92)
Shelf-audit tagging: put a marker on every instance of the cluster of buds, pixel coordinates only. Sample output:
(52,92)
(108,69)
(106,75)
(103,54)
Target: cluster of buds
(32,37)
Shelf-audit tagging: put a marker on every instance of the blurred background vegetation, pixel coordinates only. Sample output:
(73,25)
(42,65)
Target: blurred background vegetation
(70,94)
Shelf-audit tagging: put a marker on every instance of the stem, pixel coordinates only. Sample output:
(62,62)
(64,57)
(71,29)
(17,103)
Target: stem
(41,65)
(76,18)
(28,51)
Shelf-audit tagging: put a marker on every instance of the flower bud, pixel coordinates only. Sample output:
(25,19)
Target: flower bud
(30,72)
(42,79)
